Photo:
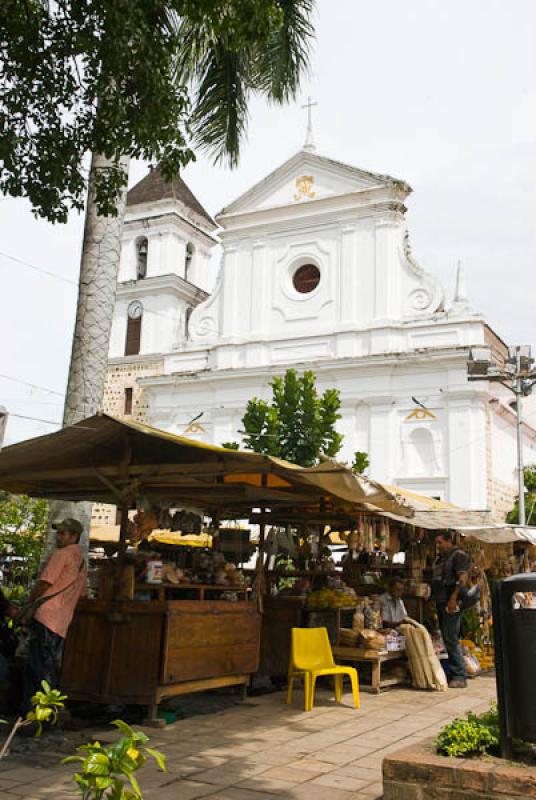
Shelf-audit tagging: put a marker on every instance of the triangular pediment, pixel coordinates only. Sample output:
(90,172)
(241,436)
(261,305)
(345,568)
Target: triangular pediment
(304,178)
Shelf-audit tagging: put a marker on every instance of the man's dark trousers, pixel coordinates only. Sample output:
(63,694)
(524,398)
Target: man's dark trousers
(450,630)
(42,664)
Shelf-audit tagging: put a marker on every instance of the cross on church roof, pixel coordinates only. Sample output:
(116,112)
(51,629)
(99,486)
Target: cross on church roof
(309,143)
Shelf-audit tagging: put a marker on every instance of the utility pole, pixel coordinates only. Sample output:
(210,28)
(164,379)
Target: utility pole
(516,374)
(3,424)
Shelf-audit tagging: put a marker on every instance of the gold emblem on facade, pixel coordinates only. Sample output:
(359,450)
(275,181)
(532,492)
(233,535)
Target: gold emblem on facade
(420,414)
(194,427)
(304,186)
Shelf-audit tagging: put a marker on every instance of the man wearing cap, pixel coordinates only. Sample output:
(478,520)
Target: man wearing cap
(56,593)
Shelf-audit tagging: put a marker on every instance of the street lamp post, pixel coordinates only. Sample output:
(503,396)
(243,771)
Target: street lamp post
(518,375)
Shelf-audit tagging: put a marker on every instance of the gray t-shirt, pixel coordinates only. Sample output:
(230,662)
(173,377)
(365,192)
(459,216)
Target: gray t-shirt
(392,610)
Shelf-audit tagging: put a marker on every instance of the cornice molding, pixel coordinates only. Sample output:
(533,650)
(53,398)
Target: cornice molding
(143,220)
(158,283)
(142,358)
(373,203)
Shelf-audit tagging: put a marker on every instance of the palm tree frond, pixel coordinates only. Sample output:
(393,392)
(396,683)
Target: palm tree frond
(285,57)
(220,114)
(222,70)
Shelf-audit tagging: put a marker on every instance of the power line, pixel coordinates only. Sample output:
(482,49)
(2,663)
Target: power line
(34,419)
(75,283)
(39,269)
(16,400)
(31,385)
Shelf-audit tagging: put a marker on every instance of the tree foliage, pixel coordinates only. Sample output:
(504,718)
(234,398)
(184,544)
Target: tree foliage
(529,474)
(361,462)
(148,79)
(298,424)
(23,525)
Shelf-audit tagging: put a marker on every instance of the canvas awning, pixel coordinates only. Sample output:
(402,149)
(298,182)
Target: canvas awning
(435,514)
(104,459)
(500,534)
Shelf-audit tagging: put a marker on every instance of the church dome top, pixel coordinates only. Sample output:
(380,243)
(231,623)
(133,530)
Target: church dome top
(155,187)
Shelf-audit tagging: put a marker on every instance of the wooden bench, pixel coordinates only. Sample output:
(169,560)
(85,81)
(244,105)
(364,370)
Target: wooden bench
(375,658)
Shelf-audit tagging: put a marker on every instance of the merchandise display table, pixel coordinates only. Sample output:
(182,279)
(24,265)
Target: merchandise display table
(375,658)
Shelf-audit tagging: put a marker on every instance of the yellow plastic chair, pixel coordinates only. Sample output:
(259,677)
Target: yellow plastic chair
(310,657)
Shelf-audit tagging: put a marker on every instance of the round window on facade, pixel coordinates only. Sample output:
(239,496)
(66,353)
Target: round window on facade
(306,278)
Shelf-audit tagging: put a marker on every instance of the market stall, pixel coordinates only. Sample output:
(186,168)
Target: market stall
(152,629)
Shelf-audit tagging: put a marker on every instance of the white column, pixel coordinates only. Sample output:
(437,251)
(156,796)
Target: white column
(382,438)
(154,250)
(387,274)
(466,451)
(260,299)
(229,312)
(348,279)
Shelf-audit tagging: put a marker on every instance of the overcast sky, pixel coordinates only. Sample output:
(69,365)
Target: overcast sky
(440,94)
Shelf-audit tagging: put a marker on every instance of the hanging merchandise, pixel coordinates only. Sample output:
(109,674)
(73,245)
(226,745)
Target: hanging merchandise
(165,519)
(142,525)
(270,543)
(371,535)
(387,533)
(186,521)
(286,543)
(313,539)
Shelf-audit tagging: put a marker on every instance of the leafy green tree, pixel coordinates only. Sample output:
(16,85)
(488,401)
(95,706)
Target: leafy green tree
(360,463)
(122,79)
(23,525)
(529,474)
(298,425)
(150,79)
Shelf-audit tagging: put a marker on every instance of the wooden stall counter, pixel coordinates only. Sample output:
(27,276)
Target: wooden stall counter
(139,652)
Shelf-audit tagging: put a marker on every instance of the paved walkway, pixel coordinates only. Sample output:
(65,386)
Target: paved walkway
(264,748)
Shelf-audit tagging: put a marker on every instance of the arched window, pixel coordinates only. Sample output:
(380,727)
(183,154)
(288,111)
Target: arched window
(142,249)
(133,337)
(188,258)
(423,456)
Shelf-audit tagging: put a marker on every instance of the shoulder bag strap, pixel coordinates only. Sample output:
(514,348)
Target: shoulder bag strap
(42,600)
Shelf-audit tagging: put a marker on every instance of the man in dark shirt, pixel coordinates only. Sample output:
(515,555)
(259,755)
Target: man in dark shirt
(451,572)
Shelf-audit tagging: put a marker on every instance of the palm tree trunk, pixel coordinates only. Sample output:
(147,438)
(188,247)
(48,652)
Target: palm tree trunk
(99,267)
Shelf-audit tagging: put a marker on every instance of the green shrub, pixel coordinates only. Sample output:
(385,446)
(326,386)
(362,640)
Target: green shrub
(471,736)
(46,705)
(108,771)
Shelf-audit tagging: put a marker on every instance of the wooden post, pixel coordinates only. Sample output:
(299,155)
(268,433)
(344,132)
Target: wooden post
(123,527)
(126,498)
(261,576)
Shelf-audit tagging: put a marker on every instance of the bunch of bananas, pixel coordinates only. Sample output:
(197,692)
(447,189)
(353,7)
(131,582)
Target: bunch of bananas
(330,598)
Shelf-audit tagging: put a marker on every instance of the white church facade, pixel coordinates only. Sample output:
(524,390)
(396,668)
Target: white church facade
(316,273)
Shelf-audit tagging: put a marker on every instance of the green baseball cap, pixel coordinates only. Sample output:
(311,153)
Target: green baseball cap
(69,525)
